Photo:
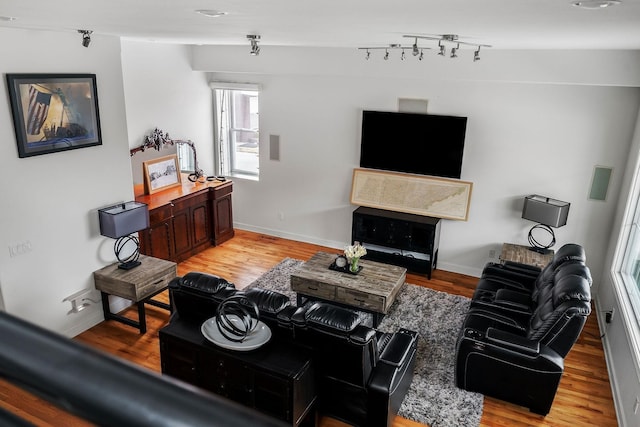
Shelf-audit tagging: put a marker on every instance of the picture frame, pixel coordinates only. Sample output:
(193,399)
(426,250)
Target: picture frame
(416,194)
(161,173)
(54,112)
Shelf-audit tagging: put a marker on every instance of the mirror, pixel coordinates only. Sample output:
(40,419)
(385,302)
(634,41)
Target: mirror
(157,144)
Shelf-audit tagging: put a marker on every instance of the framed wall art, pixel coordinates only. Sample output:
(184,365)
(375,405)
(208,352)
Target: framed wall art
(54,112)
(161,173)
(415,194)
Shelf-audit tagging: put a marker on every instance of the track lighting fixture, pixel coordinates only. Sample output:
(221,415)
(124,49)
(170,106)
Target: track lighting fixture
(454,50)
(443,40)
(253,39)
(86,37)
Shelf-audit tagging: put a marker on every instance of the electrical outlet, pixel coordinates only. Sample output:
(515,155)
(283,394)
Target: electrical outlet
(608,316)
(20,249)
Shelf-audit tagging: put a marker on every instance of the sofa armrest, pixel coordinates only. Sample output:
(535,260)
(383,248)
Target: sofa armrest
(390,379)
(398,348)
(511,341)
(515,300)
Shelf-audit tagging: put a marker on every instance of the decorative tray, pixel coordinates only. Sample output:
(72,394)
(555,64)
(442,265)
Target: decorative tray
(256,338)
(344,269)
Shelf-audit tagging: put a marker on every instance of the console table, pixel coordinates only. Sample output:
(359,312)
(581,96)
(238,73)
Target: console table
(276,379)
(524,255)
(140,285)
(398,238)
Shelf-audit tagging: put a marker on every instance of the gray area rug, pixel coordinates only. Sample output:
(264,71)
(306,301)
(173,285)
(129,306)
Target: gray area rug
(433,398)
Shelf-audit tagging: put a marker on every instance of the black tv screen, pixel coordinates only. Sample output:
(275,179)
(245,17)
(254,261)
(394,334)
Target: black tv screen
(424,144)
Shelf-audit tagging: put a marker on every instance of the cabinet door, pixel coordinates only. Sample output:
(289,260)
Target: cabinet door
(199,223)
(422,238)
(222,218)
(179,360)
(181,231)
(158,240)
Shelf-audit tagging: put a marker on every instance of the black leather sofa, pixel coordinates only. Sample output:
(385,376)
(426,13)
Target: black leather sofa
(520,327)
(362,374)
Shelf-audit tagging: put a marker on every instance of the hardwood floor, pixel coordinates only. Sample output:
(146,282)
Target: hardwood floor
(583,399)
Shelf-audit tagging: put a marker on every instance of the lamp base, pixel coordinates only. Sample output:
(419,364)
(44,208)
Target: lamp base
(129,265)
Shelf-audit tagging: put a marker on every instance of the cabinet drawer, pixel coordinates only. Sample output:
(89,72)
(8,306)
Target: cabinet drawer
(360,299)
(311,288)
(155,284)
(221,191)
(191,200)
(160,214)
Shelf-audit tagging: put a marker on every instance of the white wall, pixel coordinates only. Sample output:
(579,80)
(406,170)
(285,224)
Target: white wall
(528,132)
(51,200)
(162,91)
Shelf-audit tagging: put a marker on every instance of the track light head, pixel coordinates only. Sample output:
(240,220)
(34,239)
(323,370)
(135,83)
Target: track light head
(454,51)
(442,49)
(367,55)
(386,54)
(421,55)
(402,55)
(86,37)
(476,55)
(414,49)
(253,39)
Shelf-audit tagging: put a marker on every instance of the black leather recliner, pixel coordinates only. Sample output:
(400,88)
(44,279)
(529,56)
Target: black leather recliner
(518,356)
(363,374)
(526,278)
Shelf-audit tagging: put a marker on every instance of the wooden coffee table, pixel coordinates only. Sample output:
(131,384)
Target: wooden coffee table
(373,290)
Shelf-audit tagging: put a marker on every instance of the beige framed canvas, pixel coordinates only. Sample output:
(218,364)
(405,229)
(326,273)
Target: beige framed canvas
(161,173)
(416,194)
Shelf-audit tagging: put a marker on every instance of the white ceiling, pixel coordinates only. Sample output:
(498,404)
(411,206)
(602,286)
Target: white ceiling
(505,24)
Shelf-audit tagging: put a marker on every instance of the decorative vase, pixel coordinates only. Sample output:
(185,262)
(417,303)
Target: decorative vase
(353,266)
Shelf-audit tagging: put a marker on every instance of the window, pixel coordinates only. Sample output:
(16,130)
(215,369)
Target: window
(236,118)
(627,267)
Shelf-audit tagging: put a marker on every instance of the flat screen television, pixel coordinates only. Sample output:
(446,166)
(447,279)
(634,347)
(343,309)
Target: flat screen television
(423,144)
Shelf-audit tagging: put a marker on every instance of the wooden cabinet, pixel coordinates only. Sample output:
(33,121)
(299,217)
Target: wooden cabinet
(277,379)
(407,240)
(187,224)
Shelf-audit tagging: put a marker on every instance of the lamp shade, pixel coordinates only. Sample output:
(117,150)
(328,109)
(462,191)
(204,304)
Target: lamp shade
(123,219)
(545,210)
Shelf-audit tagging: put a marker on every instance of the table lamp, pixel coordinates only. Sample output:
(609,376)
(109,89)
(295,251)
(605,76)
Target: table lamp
(547,212)
(119,222)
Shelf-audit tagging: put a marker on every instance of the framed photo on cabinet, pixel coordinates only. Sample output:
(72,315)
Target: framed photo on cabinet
(161,173)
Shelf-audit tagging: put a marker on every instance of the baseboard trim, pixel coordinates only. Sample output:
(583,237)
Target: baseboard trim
(291,236)
(87,322)
(610,366)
